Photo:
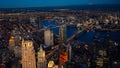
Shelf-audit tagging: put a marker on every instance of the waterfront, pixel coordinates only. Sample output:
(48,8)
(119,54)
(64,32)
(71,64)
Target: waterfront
(85,37)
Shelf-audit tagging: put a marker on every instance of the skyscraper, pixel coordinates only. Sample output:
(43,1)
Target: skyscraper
(41,63)
(32,20)
(13,47)
(48,37)
(40,19)
(62,33)
(11,43)
(28,54)
(63,54)
(69,52)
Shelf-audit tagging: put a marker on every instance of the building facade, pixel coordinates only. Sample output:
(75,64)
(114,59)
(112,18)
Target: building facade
(69,52)
(62,33)
(63,53)
(28,54)
(48,37)
(11,43)
(41,63)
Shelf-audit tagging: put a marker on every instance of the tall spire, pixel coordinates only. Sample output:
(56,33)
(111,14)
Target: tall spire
(41,63)
(41,49)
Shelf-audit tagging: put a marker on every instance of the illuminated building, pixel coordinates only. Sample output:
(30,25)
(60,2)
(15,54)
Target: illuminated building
(16,33)
(13,47)
(63,55)
(48,37)
(28,54)
(32,20)
(62,33)
(51,64)
(102,53)
(41,63)
(11,43)
(63,58)
(69,52)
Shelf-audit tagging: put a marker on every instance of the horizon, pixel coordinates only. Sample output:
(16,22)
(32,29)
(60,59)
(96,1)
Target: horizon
(117,5)
(52,3)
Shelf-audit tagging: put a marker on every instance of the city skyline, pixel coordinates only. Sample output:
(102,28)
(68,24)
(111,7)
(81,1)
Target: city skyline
(47,3)
(60,39)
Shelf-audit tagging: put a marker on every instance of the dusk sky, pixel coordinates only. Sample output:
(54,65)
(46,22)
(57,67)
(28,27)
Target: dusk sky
(44,3)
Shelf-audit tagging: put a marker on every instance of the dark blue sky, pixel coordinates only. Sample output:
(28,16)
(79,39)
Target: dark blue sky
(44,3)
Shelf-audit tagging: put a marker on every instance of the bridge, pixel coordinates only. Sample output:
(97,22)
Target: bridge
(69,40)
(78,32)
(52,52)
(24,29)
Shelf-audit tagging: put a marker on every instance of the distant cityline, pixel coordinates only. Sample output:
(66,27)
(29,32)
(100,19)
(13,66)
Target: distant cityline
(110,7)
(65,6)
(62,6)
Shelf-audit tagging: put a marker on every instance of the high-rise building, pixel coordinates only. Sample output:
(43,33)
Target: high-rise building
(32,20)
(63,58)
(41,63)
(28,54)
(17,51)
(48,37)
(17,40)
(13,47)
(62,33)
(11,43)
(69,52)
(63,55)
(39,23)
(16,34)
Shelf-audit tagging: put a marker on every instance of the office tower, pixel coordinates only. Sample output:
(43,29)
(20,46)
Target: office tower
(17,39)
(32,20)
(17,51)
(13,47)
(28,54)
(11,43)
(62,33)
(48,37)
(63,54)
(39,23)
(41,63)
(69,52)
(16,34)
